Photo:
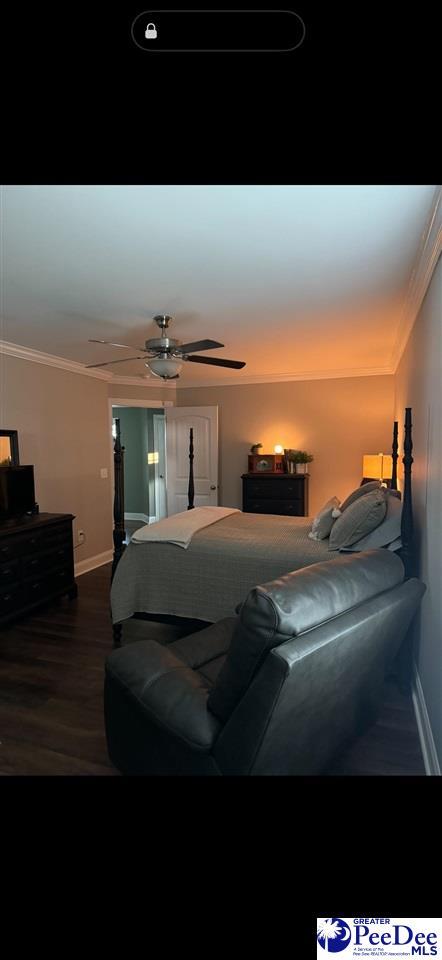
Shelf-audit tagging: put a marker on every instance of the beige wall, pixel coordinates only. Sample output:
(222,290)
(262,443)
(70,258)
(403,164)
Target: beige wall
(63,424)
(336,420)
(419,386)
(128,392)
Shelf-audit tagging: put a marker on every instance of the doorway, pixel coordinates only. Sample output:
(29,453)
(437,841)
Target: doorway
(141,430)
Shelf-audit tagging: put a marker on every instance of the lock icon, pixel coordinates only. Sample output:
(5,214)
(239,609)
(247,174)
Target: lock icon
(151,32)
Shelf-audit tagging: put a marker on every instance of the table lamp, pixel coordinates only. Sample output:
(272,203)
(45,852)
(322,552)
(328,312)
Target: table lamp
(377,466)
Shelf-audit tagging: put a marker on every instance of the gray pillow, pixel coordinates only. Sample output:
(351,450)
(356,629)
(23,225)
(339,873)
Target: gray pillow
(359,519)
(387,531)
(360,492)
(324,520)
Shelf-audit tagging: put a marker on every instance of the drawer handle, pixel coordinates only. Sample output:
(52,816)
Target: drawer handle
(5,549)
(7,597)
(5,573)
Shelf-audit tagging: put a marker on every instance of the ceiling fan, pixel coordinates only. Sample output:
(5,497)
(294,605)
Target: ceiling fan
(165,356)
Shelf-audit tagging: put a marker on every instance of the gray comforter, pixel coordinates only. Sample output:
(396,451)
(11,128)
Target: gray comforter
(222,563)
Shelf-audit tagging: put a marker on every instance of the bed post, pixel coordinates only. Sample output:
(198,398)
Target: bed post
(405,655)
(394,449)
(407,511)
(191,488)
(119,533)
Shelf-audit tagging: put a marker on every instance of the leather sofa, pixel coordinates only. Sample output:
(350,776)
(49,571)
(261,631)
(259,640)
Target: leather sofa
(280,689)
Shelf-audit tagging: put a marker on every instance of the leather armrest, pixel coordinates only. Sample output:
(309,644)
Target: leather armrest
(170,693)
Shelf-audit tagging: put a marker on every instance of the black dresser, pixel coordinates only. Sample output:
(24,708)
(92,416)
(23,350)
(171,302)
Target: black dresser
(36,563)
(286,493)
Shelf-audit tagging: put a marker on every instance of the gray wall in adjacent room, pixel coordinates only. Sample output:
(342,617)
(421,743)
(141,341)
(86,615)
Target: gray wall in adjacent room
(134,438)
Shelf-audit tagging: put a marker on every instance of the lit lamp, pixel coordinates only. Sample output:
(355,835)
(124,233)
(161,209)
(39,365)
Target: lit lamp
(377,466)
(278,449)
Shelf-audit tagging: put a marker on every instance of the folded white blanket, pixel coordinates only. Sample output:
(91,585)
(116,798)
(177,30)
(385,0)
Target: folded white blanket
(180,527)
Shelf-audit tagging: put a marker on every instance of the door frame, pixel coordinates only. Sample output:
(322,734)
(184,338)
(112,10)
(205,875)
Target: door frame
(156,423)
(119,402)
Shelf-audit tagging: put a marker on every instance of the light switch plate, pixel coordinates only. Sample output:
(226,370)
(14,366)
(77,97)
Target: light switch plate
(103,473)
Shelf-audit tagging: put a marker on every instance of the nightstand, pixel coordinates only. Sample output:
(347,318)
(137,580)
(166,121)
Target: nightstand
(272,493)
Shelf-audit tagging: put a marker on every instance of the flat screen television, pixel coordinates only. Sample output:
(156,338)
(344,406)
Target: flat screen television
(17,492)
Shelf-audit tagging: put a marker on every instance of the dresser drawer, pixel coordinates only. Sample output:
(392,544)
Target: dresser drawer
(274,489)
(9,572)
(9,549)
(38,563)
(56,536)
(285,507)
(45,585)
(10,600)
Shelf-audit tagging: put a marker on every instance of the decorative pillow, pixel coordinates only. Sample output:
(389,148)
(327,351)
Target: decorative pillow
(396,545)
(359,519)
(387,531)
(324,520)
(360,492)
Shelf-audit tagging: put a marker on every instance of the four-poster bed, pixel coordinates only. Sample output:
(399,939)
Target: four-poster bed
(200,584)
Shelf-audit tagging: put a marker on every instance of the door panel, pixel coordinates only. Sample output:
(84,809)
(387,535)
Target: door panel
(204,421)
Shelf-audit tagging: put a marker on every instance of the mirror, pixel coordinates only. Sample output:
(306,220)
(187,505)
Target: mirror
(9,456)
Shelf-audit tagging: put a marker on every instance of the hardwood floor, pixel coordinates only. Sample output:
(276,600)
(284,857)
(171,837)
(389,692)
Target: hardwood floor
(51,695)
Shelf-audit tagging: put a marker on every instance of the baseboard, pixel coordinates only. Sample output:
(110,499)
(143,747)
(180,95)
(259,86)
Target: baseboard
(84,566)
(137,516)
(428,746)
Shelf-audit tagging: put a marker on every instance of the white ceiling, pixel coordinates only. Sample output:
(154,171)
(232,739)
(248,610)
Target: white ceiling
(292,279)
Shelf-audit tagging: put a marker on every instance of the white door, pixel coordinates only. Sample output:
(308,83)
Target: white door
(204,421)
(159,442)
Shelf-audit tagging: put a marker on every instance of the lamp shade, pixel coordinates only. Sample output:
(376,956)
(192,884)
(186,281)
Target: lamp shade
(165,367)
(377,466)
(387,466)
(372,465)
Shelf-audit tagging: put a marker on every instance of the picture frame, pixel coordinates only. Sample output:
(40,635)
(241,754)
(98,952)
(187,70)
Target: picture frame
(9,455)
(266,463)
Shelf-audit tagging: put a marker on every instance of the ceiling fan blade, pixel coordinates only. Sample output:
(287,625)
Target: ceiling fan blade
(108,362)
(110,344)
(218,362)
(199,345)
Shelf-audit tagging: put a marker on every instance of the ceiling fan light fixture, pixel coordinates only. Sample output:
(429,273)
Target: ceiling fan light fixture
(165,367)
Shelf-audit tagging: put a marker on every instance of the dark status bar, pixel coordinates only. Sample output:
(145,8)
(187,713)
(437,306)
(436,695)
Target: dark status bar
(218,31)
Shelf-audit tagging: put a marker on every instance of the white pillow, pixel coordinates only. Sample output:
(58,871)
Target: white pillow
(324,520)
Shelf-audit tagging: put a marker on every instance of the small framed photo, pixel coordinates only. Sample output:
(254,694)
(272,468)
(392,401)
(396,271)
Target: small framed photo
(9,455)
(266,463)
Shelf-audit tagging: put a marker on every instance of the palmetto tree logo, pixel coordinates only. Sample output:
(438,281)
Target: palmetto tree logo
(333,934)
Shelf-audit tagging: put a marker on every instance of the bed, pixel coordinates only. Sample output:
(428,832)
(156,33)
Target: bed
(206,581)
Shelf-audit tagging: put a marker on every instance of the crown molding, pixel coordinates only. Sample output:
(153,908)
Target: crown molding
(71,366)
(430,249)
(50,360)
(285,377)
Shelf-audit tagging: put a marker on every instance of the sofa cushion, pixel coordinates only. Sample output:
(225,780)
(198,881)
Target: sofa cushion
(171,694)
(284,608)
(359,519)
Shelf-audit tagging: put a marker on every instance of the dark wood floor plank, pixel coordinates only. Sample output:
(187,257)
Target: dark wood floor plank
(51,695)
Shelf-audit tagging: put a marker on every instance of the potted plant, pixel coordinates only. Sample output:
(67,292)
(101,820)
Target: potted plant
(290,456)
(301,460)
